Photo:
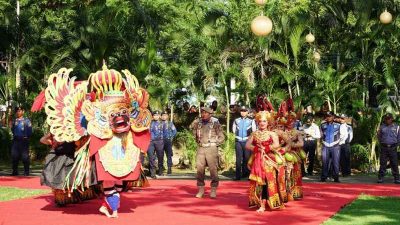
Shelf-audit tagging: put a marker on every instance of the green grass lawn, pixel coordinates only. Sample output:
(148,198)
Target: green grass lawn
(34,165)
(369,210)
(11,193)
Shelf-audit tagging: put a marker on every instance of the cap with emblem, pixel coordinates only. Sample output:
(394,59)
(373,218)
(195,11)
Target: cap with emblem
(389,116)
(18,108)
(244,109)
(207,109)
(156,112)
(342,116)
(164,112)
(329,114)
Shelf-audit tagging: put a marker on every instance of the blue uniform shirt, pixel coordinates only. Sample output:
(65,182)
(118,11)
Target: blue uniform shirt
(243,127)
(389,134)
(330,134)
(169,130)
(22,127)
(157,130)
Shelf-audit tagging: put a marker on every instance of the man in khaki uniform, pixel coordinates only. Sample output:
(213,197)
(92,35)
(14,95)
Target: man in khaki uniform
(209,136)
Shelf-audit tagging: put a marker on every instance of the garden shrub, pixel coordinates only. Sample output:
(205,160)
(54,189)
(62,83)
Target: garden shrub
(6,142)
(359,157)
(186,141)
(228,154)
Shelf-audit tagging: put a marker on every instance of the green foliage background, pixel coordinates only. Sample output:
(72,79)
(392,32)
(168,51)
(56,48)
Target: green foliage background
(203,45)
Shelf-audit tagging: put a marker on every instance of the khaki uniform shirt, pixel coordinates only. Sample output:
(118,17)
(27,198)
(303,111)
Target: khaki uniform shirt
(209,133)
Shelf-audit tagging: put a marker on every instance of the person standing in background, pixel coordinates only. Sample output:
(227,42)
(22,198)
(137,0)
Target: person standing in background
(242,128)
(156,146)
(22,130)
(331,137)
(311,136)
(347,131)
(389,139)
(169,134)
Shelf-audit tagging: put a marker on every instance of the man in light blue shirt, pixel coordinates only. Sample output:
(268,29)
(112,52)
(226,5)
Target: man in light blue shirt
(331,137)
(242,128)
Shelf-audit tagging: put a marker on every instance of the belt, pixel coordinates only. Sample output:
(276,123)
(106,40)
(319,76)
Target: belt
(158,139)
(207,144)
(20,138)
(389,146)
(309,139)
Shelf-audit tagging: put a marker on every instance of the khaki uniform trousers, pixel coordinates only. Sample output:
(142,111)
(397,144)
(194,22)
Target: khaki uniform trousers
(207,156)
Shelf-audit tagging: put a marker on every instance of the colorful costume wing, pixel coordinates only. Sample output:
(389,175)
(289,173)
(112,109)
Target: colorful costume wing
(39,102)
(140,116)
(290,105)
(63,106)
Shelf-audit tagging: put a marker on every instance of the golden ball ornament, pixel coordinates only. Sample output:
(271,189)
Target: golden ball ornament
(386,17)
(310,38)
(261,26)
(316,56)
(261,2)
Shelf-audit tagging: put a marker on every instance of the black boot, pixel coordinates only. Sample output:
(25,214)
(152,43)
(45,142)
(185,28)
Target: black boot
(169,170)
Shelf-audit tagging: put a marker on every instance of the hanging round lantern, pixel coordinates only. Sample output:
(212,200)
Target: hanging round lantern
(310,38)
(316,56)
(261,26)
(386,17)
(261,2)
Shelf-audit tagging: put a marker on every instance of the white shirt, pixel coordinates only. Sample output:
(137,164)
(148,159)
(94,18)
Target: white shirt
(343,133)
(312,131)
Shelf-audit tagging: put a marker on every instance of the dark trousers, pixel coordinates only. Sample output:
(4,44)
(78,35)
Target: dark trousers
(391,155)
(154,148)
(168,151)
(242,157)
(159,149)
(20,150)
(310,147)
(330,158)
(345,159)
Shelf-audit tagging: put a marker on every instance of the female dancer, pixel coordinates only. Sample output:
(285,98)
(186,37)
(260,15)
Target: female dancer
(263,166)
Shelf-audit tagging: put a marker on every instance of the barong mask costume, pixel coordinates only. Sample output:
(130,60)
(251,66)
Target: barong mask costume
(115,112)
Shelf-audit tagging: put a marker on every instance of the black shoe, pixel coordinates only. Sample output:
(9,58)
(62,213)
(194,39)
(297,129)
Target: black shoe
(236,179)
(14,173)
(323,180)
(380,181)
(336,180)
(169,171)
(397,181)
(153,176)
(26,174)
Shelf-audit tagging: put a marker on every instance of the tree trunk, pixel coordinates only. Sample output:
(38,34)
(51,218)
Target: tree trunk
(172,112)
(228,110)
(329,104)
(297,86)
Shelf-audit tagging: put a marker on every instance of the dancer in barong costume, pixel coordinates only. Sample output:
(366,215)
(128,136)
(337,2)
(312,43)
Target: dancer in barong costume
(115,110)
(58,164)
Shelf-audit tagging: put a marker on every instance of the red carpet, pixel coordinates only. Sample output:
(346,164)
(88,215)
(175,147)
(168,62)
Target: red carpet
(171,202)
